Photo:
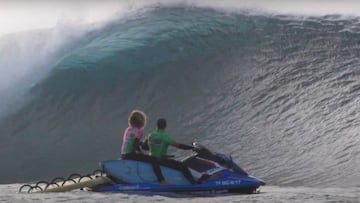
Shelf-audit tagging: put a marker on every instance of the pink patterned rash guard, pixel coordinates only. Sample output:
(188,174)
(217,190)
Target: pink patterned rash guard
(130,134)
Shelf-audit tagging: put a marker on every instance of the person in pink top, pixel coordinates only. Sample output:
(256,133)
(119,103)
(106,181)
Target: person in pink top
(130,148)
(133,133)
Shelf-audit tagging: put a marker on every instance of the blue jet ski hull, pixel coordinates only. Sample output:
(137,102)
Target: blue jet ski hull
(137,176)
(213,186)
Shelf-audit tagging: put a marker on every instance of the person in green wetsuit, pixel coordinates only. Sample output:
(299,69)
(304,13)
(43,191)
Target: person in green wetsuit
(157,143)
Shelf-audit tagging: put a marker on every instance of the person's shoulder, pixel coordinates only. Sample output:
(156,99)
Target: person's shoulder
(134,129)
(166,134)
(151,133)
(128,129)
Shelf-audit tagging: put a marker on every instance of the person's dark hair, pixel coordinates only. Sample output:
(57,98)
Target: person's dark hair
(137,119)
(161,123)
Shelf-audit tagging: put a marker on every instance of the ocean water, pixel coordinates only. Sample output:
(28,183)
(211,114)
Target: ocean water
(278,92)
(267,194)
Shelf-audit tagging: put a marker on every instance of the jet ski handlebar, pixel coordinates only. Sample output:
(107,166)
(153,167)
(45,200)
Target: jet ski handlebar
(200,148)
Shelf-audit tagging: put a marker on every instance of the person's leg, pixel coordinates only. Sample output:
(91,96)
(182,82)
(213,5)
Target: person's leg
(156,168)
(148,159)
(171,163)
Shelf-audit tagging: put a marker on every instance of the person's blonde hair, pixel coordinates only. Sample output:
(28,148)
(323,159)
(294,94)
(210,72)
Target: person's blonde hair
(137,119)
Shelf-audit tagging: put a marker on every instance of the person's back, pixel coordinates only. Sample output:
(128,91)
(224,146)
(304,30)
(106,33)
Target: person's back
(133,133)
(158,142)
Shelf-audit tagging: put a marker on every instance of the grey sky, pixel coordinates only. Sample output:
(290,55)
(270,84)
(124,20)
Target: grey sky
(20,15)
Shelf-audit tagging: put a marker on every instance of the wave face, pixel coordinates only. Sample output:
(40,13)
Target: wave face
(279,93)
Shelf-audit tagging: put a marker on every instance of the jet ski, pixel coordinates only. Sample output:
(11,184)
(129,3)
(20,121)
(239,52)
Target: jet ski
(214,172)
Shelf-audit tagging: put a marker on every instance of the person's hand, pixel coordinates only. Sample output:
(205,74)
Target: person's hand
(195,144)
(196,147)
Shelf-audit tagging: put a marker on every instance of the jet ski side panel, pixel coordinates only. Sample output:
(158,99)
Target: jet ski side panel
(130,171)
(223,185)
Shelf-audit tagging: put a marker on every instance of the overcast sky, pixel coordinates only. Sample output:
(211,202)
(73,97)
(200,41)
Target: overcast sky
(18,15)
(27,15)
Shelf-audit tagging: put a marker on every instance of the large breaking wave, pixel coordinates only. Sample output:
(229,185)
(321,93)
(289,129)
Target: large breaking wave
(279,93)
